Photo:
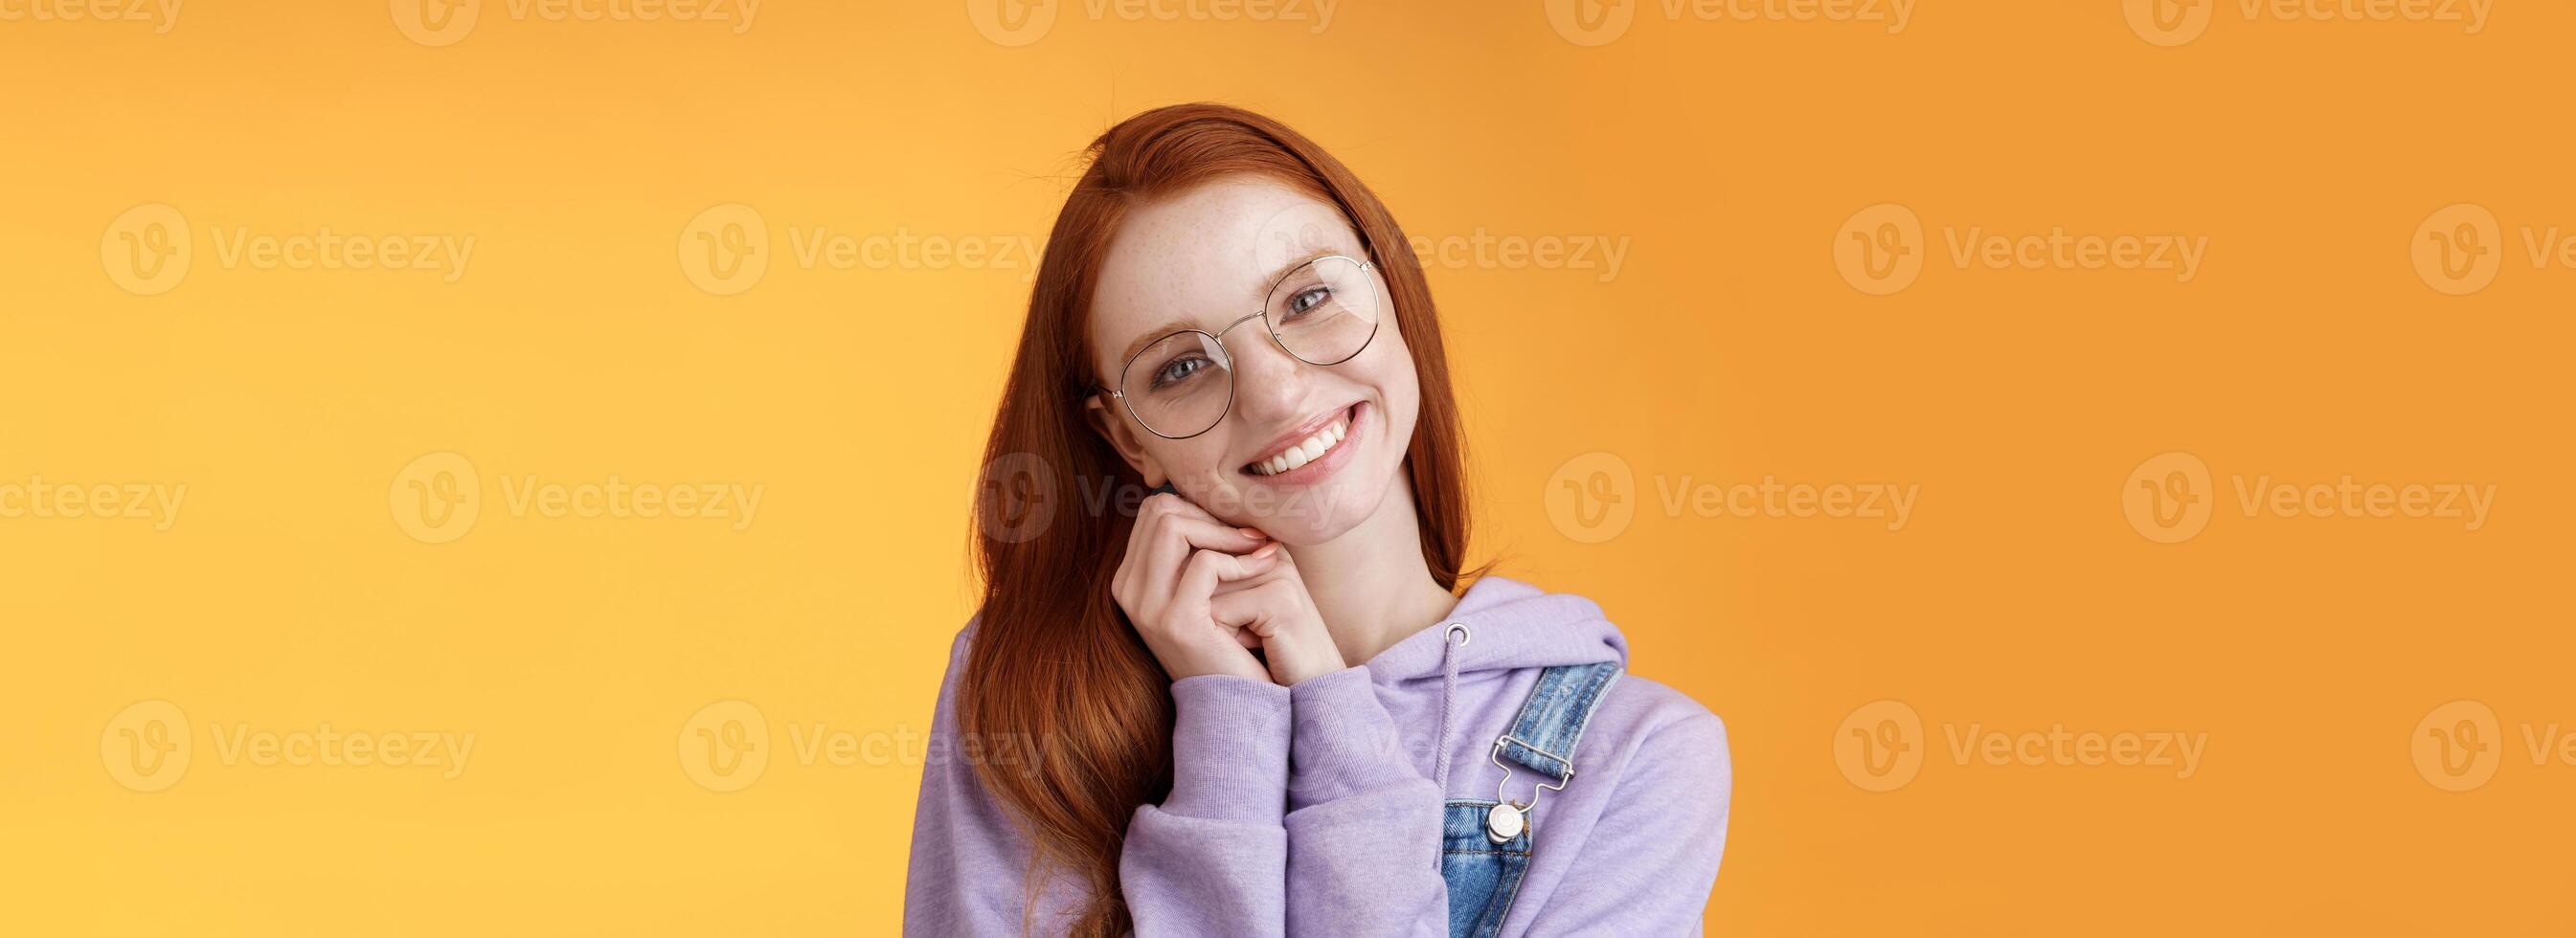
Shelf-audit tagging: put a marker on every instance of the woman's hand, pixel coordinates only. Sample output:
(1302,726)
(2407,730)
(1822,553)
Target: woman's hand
(1272,605)
(1178,557)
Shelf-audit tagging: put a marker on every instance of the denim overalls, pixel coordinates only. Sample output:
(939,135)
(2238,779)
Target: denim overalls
(1485,843)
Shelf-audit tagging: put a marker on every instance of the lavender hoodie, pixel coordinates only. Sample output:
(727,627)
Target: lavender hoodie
(1315,809)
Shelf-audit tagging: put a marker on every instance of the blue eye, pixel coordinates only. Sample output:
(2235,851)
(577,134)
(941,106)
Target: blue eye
(1308,298)
(1178,370)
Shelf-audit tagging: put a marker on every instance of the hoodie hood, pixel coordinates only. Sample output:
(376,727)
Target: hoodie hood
(1510,624)
(1470,665)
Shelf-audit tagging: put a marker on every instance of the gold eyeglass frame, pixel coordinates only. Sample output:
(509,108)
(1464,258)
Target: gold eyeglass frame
(1218,337)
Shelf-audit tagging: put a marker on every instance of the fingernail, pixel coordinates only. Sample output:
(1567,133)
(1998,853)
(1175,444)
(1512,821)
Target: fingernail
(1253,532)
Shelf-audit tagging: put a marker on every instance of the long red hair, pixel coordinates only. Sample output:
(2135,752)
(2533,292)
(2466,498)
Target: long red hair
(1054,660)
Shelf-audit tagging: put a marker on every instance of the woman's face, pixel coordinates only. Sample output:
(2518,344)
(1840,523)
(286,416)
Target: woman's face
(1305,452)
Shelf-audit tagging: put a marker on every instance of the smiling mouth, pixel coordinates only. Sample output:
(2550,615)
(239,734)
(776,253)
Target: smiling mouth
(1313,447)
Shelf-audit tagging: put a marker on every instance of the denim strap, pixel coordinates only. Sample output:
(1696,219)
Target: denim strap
(1551,721)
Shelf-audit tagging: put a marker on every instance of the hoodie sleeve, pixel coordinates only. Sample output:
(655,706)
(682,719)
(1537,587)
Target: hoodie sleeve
(1210,859)
(1650,861)
(1365,825)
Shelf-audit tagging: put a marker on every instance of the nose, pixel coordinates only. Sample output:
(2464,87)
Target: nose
(1269,383)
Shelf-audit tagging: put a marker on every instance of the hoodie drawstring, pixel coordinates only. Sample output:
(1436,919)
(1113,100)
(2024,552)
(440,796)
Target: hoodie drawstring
(1448,699)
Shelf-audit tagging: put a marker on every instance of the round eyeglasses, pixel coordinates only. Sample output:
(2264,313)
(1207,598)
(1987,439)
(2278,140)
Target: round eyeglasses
(1321,312)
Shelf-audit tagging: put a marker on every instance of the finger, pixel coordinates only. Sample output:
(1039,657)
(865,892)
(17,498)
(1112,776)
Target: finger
(1205,530)
(1173,534)
(1250,610)
(1207,568)
(1187,534)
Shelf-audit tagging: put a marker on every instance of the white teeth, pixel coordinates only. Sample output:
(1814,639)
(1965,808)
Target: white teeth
(1304,451)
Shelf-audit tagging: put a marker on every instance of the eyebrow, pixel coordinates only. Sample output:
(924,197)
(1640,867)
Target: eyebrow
(1175,325)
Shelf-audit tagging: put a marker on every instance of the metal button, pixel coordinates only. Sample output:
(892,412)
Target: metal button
(1503,822)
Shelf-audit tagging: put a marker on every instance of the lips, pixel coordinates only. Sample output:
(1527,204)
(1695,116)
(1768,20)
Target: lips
(1308,443)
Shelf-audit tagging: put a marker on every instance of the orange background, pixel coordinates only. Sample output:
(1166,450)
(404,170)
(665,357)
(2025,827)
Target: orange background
(292,590)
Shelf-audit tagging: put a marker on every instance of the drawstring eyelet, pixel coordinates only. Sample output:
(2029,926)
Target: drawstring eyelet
(1458,630)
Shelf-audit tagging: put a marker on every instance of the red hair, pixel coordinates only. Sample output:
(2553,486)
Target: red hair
(1054,659)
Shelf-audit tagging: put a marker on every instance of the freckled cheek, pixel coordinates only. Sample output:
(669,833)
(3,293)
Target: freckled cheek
(1197,466)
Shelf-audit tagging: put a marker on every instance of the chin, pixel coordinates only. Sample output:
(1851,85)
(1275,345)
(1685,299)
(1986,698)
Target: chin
(1317,515)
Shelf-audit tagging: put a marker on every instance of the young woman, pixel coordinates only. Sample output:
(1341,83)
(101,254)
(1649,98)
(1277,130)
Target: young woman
(1254,702)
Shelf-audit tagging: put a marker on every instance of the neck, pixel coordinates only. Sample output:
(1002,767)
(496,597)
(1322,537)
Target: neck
(1371,585)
